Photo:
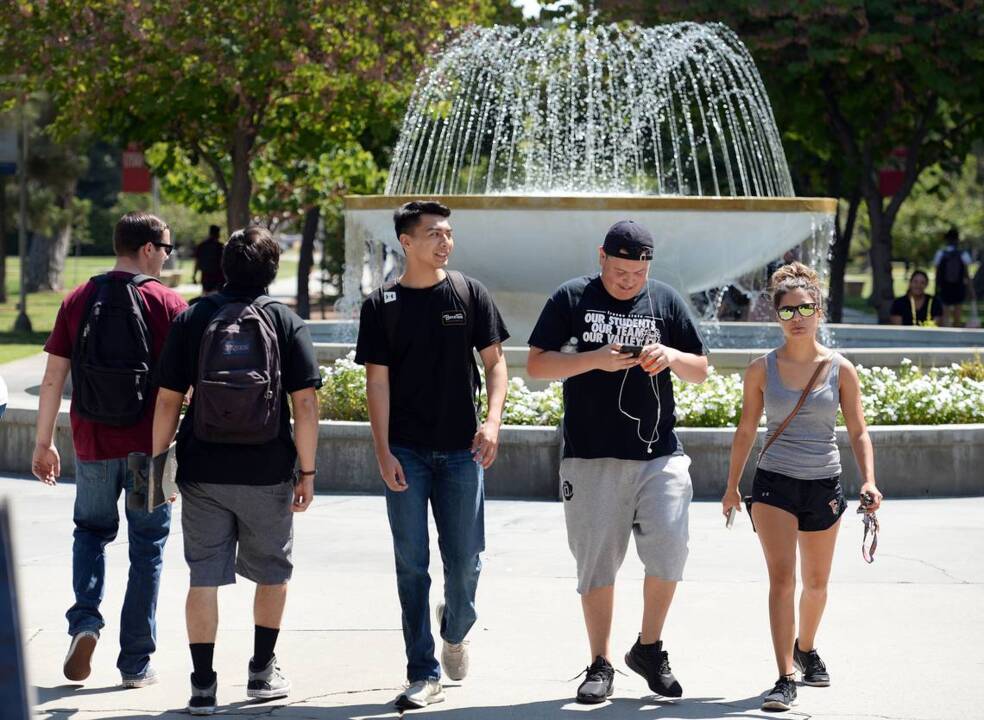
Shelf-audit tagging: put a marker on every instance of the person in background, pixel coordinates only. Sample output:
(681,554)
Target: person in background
(952,278)
(3,396)
(208,262)
(917,307)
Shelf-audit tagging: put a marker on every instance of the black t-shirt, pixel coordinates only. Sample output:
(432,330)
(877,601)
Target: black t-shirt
(903,306)
(266,464)
(432,390)
(208,254)
(581,316)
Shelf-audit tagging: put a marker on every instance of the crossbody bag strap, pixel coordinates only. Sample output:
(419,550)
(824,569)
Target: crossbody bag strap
(806,392)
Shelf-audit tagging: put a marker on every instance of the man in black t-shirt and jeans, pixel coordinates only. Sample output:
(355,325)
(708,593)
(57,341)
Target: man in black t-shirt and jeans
(239,495)
(615,338)
(417,339)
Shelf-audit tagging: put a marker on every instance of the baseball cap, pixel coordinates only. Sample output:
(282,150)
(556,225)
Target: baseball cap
(629,240)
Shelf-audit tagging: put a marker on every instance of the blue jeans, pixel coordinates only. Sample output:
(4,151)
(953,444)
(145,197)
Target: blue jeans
(97,491)
(453,483)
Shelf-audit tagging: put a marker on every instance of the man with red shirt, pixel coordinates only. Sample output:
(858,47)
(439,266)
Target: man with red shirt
(141,243)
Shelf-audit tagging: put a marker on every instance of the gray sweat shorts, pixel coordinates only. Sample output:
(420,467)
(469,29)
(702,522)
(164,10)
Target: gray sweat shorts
(607,499)
(244,529)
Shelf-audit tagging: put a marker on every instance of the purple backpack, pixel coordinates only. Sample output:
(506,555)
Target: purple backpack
(238,395)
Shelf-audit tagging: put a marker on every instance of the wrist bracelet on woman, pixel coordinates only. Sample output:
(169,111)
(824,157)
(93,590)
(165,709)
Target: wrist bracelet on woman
(303,473)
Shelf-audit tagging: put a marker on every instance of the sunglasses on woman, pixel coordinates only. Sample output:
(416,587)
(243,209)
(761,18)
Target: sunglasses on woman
(786,312)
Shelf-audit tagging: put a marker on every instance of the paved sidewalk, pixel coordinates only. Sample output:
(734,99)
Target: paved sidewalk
(901,637)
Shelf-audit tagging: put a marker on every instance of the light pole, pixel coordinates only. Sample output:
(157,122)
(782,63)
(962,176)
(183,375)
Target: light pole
(23,322)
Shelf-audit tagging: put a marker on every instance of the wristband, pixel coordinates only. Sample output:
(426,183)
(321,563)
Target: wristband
(303,473)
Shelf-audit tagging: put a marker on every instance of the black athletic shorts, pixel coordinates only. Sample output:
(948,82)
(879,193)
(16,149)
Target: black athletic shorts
(955,294)
(817,504)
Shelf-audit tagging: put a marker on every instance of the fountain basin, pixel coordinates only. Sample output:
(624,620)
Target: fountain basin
(521,247)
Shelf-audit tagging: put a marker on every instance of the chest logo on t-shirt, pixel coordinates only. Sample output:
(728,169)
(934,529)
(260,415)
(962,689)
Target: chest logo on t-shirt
(604,327)
(389,296)
(453,317)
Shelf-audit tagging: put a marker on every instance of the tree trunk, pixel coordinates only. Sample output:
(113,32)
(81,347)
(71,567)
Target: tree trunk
(241,188)
(883,286)
(839,255)
(306,262)
(46,261)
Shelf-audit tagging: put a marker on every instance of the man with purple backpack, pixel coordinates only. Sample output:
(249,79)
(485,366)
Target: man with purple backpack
(244,354)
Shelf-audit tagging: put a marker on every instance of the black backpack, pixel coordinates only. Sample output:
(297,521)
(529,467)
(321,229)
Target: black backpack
(112,357)
(459,287)
(237,395)
(951,268)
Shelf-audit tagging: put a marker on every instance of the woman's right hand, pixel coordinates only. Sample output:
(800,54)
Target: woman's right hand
(732,498)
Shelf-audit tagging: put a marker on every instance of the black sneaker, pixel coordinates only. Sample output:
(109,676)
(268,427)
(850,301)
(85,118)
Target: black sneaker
(599,682)
(809,663)
(782,696)
(202,700)
(653,663)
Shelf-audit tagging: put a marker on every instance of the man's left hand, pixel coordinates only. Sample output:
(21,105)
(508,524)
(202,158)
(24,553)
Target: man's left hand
(303,493)
(656,358)
(485,445)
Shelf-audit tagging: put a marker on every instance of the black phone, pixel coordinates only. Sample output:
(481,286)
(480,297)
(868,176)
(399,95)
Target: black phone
(633,350)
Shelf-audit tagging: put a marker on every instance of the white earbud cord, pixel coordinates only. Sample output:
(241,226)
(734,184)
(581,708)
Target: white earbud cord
(652,384)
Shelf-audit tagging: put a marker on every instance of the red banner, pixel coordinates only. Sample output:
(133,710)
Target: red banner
(891,176)
(136,174)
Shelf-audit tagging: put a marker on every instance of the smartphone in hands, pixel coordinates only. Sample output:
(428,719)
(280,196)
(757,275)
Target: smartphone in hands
(731,517)
(633,350)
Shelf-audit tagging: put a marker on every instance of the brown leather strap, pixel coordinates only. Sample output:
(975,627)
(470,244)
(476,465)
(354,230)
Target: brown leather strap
(806,391)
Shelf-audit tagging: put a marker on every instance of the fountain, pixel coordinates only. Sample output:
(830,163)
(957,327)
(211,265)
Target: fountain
(539,139)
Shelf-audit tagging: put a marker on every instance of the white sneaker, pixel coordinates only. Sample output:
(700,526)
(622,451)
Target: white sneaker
(454,658)
(420,694)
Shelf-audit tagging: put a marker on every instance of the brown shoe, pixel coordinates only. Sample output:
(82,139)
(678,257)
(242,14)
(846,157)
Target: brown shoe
(78,662)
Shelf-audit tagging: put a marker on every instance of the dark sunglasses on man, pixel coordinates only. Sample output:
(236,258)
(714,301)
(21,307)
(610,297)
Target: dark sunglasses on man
(786,312)
(168,249)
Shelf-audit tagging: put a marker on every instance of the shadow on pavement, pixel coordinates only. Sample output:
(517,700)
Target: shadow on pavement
(617,709)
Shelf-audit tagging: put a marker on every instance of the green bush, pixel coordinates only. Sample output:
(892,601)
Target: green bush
(907,396)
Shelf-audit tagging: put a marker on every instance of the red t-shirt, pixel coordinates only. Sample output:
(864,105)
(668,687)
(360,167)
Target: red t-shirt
(94,440)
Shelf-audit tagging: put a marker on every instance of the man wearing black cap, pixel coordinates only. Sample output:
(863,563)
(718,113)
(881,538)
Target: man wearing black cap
(614,338)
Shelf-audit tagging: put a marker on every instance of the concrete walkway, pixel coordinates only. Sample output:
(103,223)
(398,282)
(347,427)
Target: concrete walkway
(901,637)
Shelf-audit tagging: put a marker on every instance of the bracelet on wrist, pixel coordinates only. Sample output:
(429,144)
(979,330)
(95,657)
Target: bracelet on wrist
(304,473)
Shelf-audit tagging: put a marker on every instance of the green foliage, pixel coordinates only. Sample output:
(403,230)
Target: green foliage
(907,396)
(228,85)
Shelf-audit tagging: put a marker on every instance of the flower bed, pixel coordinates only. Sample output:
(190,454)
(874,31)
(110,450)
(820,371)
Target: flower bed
(907,396)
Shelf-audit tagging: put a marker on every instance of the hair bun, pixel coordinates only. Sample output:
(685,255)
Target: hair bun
(793,276)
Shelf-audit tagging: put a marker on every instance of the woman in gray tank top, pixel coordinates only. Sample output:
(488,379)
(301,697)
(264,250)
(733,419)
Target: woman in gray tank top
(797,499)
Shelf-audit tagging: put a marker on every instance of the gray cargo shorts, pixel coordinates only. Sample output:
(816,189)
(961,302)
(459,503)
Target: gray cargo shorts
(607,499)
(244,529)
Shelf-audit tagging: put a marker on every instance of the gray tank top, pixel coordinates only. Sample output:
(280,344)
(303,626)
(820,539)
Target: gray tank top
(807,449)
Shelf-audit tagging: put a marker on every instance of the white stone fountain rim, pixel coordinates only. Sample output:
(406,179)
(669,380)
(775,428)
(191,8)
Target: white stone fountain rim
(602,202)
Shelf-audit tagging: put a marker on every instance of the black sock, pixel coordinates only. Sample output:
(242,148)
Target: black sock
(201,658)
(264,640)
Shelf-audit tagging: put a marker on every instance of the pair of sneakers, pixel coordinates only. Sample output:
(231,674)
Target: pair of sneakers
(265,683)
(813,671)
(651,661)
(454,660)
(78,662)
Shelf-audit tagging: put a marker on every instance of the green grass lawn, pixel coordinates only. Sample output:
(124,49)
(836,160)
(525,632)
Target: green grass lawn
(42,307)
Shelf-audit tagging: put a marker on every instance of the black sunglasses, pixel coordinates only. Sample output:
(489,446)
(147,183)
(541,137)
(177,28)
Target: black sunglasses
(806,310)
(168,249)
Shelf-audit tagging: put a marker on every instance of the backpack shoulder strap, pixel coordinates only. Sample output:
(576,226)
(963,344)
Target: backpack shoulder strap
(263,301)
(141,279)
(391,312)
(459,285)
